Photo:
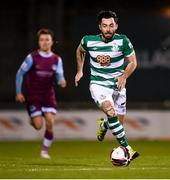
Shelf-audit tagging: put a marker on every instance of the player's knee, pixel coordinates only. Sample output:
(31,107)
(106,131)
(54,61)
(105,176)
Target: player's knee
(37,123)
(110,113)
(107,108)
(37,126)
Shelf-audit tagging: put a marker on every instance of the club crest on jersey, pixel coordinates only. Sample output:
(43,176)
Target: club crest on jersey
(103,60)
(115,47)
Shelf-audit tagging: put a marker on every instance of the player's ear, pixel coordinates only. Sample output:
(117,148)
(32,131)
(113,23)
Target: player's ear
(116,26)
(100,27)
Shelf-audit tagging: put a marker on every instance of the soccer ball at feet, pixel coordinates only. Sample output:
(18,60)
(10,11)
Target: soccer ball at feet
(120,156)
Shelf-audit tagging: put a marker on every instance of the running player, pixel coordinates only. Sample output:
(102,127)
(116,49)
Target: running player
(40,67)
(108,51)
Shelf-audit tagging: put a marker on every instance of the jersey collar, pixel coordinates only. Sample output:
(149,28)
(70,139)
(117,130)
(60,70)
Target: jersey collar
(107,41)
(44,54)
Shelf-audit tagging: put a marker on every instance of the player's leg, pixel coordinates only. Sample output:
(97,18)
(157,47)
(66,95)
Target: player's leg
(113,122)
(103,122)
(98,93)
(121,119)
(120,105)
(95,91)
(116,127)
(103,97)
(34,111)
(120,108)
(49,115)
(102,128)
(37,122)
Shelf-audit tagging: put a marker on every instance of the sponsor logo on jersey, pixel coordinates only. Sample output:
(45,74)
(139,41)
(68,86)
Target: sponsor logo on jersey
(44,73)
(103,60)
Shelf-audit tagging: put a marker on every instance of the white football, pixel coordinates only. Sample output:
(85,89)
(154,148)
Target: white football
(120,156)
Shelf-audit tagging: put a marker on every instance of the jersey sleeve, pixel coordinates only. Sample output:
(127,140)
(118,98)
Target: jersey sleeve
(27,64)
(59,71)
(25,67)
(84,42)
(128,49)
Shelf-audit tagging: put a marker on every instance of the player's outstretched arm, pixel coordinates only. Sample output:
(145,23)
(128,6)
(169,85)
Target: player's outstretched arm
(132,64)
(26,65)
(80,57)
(60,74)
(19,79)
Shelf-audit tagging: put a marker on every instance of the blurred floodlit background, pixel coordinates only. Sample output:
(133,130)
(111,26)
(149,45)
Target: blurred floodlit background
(146,23)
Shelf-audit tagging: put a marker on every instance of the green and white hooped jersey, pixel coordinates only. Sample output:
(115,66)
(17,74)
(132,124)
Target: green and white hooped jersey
(106,58)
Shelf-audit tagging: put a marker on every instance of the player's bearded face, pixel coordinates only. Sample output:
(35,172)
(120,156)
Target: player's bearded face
(45,42)
(108,28)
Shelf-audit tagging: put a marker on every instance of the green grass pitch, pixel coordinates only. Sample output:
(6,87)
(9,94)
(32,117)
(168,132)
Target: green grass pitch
(82,159)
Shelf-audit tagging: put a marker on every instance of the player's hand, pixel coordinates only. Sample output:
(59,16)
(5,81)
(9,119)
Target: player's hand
(78,76)
(121,82)
(20,98)
(63,83)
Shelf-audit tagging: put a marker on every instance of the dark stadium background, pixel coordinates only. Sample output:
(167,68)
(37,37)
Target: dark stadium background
(146,23)
(76,153)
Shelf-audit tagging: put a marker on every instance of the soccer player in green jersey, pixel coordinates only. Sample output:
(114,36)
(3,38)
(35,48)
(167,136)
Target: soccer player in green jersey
(108,51)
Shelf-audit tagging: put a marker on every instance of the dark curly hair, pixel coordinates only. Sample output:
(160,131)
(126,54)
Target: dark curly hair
(107,14)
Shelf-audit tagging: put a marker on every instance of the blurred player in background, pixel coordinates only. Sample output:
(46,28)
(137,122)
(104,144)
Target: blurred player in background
(108,51)
(40,67)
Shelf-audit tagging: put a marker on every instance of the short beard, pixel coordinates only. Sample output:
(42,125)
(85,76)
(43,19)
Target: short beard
(106,38)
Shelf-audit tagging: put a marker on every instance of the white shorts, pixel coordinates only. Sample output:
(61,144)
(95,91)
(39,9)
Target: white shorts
(39,112)
(100,94)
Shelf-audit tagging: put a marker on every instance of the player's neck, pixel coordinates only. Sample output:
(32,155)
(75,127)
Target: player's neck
(106,40)
(45,53)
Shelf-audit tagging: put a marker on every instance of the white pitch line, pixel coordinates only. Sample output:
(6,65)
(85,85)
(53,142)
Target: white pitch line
(89,169)
(111,169)
(150,168)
